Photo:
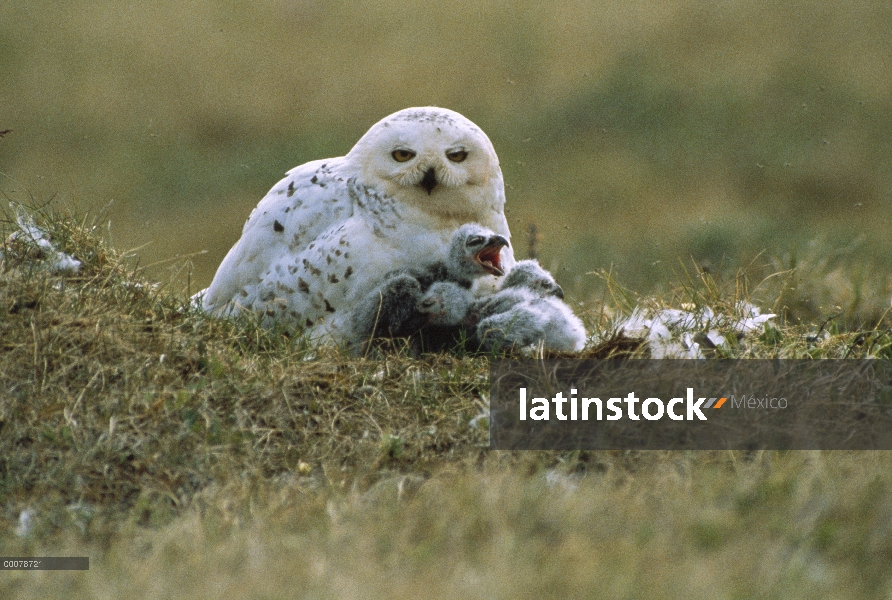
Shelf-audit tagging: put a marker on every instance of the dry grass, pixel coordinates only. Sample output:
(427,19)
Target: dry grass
(112,383)
(693,525)
(189,456)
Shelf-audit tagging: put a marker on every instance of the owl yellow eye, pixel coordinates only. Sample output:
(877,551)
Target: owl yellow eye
(457,155)
(402,155)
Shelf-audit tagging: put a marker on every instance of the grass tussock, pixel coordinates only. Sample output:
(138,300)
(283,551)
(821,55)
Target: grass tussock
(124,392)
(188,455)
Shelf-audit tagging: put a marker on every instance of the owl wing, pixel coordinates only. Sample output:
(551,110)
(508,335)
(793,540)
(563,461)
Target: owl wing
(312,199)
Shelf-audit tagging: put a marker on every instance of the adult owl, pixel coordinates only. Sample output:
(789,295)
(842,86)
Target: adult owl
(326,235)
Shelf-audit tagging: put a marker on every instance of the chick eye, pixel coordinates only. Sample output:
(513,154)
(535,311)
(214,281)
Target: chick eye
(402,155)
(475,240)
(457,155)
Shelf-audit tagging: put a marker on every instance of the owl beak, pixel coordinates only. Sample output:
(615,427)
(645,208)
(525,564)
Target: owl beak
(430,181)
(489,258)
(498,241)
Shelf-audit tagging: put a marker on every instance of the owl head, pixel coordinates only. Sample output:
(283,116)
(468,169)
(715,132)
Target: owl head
(530,275)
(432,158)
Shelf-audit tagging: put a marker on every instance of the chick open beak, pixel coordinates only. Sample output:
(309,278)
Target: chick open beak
(490,257)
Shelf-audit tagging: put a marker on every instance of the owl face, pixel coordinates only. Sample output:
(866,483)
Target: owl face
(432,157)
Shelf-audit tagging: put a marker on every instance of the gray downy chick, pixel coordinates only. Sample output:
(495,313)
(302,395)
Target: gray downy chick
(388,312)
(527,281)
(528,311)
(430,303)
(474,252)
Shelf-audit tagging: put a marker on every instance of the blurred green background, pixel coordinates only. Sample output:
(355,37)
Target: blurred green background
(630,133)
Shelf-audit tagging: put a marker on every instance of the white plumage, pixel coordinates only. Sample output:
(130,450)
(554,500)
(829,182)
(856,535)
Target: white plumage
(325,236)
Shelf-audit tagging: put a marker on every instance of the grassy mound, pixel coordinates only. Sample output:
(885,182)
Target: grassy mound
(185,454)
(118,392)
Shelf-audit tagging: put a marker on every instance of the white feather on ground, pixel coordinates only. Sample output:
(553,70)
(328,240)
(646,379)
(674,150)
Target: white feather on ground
(31,242)
(670,332)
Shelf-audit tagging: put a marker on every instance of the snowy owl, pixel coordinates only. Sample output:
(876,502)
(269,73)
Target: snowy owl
(420,301)
(326,235)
